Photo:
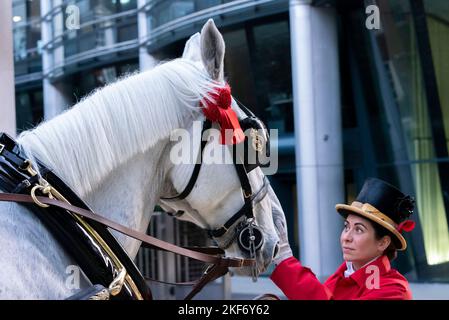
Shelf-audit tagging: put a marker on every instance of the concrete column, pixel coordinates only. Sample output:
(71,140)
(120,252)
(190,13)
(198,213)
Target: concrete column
(318,134)
(146,61)
(54,99)
(7,89)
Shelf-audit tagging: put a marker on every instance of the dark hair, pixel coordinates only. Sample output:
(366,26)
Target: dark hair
(379,233)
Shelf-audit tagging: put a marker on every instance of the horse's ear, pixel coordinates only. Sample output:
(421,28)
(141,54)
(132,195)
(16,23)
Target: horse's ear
(192,48)
(212,50)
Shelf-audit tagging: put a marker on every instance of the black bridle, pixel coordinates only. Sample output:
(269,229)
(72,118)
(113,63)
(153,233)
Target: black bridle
(248,235)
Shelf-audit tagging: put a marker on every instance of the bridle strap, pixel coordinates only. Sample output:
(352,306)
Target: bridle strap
(244,180)
(248,196)
(196,170)
(216,233)
(206,250)
(239,166)
(210,275)
(215,272)
(245,210)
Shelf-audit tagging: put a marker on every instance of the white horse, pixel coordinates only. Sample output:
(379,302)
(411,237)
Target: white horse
(112,149)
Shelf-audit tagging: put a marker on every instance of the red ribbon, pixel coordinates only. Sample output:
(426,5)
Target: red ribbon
(407,226)
(220,111)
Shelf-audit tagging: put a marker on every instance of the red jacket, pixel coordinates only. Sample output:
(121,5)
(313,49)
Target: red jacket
(375,281)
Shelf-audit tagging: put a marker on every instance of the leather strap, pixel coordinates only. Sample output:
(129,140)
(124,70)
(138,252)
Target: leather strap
(196,170)
(206,250)
(148,240)
(246,210)
(211,274)
(215,272)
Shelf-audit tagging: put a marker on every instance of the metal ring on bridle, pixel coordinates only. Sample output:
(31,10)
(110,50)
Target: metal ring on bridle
(251,238)
(33,195)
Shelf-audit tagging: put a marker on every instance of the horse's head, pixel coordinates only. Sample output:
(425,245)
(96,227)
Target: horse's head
(232,201)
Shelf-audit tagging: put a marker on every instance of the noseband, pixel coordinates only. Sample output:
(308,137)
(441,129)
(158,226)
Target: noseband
(241,226)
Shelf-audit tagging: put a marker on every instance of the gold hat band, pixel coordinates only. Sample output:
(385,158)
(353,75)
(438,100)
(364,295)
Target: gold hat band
(366,207)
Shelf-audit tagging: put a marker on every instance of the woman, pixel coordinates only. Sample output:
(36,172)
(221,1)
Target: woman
(369,240)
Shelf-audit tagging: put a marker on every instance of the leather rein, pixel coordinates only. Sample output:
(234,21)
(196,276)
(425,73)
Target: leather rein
(220,264)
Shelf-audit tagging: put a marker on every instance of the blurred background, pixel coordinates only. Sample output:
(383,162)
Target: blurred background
(355,88)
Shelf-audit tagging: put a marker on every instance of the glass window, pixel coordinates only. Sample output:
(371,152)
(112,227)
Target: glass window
(20,50)
(270,57)
(260,75)
(19,11)
(29,108)
(84,82)
(125,5)
(403,65)
(126,29)
(96,34)
(437,13)
(238,69)
(396,127)
(34,9)
(93,9)
(26,10)
(166,11)
(26,36)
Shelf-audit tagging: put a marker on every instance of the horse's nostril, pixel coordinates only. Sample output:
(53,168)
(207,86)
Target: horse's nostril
(276,250)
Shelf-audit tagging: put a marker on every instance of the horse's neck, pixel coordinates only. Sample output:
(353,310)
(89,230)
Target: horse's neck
(129,193)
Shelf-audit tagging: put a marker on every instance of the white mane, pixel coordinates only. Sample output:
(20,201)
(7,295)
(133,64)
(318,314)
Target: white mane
(114,123)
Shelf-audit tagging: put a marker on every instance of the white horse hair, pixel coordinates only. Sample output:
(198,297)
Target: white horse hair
(101,128)
(112,149)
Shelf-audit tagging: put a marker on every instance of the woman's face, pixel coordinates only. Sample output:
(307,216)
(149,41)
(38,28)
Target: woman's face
(359,243)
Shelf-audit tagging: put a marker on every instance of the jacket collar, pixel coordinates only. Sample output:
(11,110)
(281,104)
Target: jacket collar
(359,276)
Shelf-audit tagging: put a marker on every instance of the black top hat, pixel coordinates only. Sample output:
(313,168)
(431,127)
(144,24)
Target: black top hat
(384,204)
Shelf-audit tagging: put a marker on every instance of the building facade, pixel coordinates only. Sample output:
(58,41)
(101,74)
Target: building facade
(355,88)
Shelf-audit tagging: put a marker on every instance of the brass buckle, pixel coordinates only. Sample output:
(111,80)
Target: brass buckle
(44,190)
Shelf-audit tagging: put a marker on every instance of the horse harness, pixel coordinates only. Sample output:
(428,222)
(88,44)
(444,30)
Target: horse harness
(241,226)
(84,234)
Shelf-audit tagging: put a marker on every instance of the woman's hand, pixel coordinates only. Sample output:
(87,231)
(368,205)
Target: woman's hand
(280,225)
